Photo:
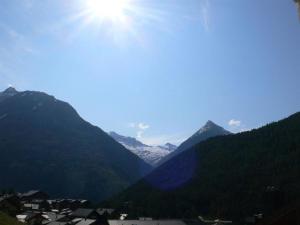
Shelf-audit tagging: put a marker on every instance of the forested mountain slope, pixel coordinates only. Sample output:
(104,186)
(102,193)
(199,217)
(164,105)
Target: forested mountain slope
(230,176)
(46,145)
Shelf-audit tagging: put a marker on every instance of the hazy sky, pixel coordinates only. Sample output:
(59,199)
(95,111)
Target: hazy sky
(161,69)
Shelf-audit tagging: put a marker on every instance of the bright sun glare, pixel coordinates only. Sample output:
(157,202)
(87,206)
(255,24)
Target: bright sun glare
(113,10)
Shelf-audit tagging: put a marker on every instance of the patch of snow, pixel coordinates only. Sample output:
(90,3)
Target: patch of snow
(151,154)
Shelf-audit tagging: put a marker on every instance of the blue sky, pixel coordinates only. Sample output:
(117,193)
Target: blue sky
(161,75)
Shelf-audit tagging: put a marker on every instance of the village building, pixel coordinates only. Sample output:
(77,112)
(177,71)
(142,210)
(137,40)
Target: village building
(72,204)
(51,217)
(108,213)
(148,221)
(85,214)
(87,222)
(30,217)
(34,194)
(36,205)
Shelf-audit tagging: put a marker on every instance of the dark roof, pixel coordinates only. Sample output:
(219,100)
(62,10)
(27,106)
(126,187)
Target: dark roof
(53,216)
(101,211)
(30,193)
(82,213)
(38,201)
(30,215)
(56,223)
(146,222)
(68,200)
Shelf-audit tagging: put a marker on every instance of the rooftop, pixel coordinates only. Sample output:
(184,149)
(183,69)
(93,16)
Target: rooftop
(146,222)
(82,213)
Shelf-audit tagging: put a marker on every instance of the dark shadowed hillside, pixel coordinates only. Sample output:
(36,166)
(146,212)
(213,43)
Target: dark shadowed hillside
(44,144)
(230,176)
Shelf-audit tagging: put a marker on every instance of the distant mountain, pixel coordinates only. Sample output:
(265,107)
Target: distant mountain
(232,177)
(151,154)
(46,145)
(209,130)
(127,141)
(169,147)
(9,92)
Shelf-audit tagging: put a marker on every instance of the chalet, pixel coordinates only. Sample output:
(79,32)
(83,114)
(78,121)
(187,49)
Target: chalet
(107,213)
(30,217)
(103,211)
(31,195)
(66,211)
(29,206)
(51,217)
(72,204)
(37,205)
(85,214)
(59,204)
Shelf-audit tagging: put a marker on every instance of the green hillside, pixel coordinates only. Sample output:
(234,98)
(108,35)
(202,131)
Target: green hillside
(7,220)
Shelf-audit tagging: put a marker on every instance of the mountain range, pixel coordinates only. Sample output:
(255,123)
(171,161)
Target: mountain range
(157,155)
(150,154)
(231,176)
(45,144)
(209,130)
(39,131)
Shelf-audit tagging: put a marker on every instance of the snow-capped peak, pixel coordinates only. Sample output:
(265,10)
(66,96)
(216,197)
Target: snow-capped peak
(129,141)
(150,154)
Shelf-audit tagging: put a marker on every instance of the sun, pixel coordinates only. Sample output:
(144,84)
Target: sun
(117,19)
(108,10)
